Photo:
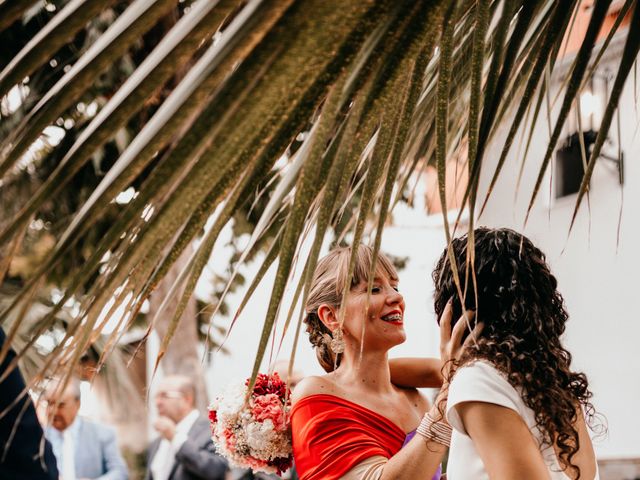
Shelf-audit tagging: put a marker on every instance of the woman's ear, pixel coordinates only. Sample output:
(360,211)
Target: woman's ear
(328,315)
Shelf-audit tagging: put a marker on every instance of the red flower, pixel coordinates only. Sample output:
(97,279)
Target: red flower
(266,384)
(213,416)
(281,463)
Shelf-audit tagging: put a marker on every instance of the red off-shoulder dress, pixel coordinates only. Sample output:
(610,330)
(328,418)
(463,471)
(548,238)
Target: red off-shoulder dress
(332,435)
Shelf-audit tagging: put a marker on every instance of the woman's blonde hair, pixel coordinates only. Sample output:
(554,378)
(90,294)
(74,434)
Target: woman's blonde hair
(327,288)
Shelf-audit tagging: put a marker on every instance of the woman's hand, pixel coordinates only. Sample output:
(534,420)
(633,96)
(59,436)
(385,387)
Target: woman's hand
(452,341)
(428,372)
(452,345)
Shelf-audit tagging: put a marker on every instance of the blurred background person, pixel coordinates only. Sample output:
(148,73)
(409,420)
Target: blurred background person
(24,452)
(184,449)
(83,449)
(281,367)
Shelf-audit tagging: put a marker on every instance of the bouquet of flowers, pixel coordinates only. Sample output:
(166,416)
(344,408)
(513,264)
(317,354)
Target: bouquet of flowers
(254,433)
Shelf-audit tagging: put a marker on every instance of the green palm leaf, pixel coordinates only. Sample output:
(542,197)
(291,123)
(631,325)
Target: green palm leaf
(580,65)
(218,91)
(629,55)
(137,20)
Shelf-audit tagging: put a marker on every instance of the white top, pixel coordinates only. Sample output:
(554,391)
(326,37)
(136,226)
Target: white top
(481,382)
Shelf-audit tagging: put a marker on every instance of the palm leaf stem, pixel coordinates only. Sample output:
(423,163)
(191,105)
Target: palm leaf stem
(598,15)
(306,190)
(56,33)
(629,55)
(134,22)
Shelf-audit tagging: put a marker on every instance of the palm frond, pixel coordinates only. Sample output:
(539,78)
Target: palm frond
(206,101)
(600,10)
(629,55)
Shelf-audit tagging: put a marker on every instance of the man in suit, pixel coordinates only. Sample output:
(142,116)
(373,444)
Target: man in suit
(24,452)
(184,450)
(84,449)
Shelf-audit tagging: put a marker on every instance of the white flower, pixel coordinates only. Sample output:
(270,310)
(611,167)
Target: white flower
(266,442)
(259,435)
(248,441)
(231,402)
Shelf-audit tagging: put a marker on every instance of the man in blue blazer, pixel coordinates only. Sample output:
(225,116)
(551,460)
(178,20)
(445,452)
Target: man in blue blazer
(84,449)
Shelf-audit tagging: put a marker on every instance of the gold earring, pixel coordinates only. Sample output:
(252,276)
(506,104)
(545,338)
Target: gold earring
(337,341)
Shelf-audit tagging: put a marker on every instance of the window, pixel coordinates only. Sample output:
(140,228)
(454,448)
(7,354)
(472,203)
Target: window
(570,164)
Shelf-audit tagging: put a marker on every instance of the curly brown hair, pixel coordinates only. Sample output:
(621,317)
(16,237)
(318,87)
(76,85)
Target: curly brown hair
(515,295)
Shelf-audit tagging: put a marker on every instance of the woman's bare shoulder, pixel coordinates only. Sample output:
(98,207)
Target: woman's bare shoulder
(313,385)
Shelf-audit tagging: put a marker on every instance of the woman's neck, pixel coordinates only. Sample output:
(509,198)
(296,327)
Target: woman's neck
(370,372)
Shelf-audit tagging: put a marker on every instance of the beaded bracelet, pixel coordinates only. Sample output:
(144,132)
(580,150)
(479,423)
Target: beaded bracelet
(433,430)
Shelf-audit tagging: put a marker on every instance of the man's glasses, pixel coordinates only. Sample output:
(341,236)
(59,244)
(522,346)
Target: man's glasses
(52,403)
(169,394)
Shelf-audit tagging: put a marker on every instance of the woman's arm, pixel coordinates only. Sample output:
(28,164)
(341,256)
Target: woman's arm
(420,458)
(416,372)
(430,372)
(503,441)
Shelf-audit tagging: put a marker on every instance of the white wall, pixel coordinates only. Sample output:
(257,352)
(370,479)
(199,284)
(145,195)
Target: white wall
(597,275)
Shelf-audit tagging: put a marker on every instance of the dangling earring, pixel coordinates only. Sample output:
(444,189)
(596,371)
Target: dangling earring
(337,341)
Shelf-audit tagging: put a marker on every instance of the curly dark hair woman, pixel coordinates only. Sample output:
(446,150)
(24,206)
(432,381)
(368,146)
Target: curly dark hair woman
(515,296)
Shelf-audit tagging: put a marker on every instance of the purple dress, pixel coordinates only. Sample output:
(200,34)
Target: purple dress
(407,439)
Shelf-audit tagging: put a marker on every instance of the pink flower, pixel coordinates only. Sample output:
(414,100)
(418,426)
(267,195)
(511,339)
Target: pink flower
(230,439)
(269,407)
(255,463)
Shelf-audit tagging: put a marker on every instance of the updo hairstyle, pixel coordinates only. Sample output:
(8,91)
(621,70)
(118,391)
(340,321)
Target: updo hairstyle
(327,287)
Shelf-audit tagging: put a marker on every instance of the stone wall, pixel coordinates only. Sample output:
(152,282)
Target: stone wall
(620,469)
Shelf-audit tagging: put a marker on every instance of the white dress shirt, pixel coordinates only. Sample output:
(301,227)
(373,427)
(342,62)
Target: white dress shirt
(64,447)
(68,456)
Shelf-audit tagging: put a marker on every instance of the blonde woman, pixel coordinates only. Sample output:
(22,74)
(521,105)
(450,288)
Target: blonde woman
(353,422)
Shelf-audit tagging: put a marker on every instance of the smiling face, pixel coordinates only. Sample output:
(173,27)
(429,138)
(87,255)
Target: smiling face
(382,319)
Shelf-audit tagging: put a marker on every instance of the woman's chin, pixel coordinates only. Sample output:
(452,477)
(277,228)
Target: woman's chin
(399,338)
